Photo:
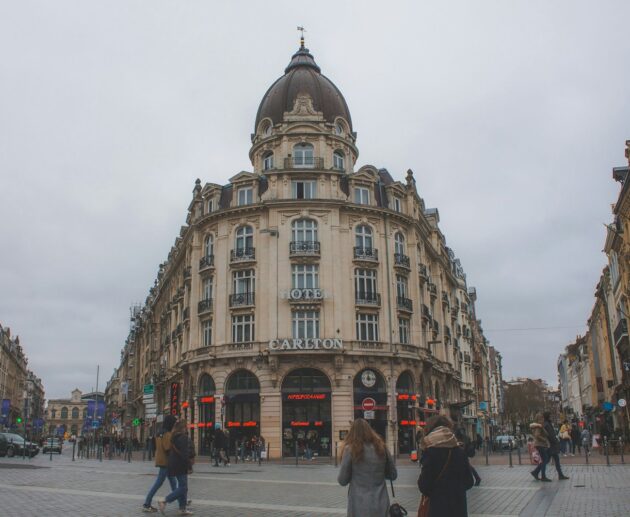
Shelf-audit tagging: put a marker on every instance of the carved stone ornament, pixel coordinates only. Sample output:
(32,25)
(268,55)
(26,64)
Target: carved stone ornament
(303,105)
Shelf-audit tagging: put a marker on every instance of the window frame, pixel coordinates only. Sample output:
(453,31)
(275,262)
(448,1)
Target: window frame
(267,161)
(399,243)
(302,273)
(305,324)
(206,332)
(404,329)
(361,236)
(303,156)
(299,228)
(243,325)
(367,327)
(308,188)
(244,278)
(365,278)
(361,195)
(244,236)
(339,160)
(246,192)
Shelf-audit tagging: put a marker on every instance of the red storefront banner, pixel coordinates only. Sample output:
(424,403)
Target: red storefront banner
(206,400)
(306,396)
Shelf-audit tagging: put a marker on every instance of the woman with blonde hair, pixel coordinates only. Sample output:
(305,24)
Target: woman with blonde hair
(178,465)
(365,465)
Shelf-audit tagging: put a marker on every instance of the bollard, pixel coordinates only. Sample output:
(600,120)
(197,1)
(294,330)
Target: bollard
(296,453)
(606,451)
(74,444)
(518,453)
(487,452)
(51,451)
(510,452)
(268,452)
(336,445)
(621,450)
(586,453)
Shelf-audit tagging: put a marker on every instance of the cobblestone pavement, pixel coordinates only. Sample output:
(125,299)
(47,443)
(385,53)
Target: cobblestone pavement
(40,487)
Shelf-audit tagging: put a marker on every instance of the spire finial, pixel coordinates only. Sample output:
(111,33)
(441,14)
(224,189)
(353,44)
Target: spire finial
(302,31)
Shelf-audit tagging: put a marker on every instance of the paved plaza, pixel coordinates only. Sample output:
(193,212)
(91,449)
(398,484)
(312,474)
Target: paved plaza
(62,487)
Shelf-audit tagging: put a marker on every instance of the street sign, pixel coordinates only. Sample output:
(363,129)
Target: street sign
(608,406)
(368,404)
(368,415)
(148,389)
(622,402)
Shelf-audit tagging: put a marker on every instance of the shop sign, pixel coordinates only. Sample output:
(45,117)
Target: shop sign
(305,294)
(206,400)
(408,423)
(249,423)
(368,415)
(306,344)
(306,396)
(405,396)
(299,423)
(174,398)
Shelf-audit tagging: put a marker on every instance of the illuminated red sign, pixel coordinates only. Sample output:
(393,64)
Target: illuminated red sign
(407,422)
(184,405)
(251,423)
(234,424)
(306,396)
(422,423)
(406,396)
(299,423)
(206,400)
(174,398)
(319,424)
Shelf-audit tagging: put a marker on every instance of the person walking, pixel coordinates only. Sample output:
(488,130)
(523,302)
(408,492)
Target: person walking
(220,446)
(554,444)
(445,476)
(365,465)
(575,439)
(586,437)
(178,466)
(565,438)
(162,446)
(541,443)
(469,448)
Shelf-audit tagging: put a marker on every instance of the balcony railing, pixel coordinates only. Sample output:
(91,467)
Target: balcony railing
(426,313)
(401,260)
(445,301)
(207,261)
(404,304)
(367,298)
(305,162)
(304,248)
(241,299)
(361,253)
(436,328)
(187,273)
(186,314)
(243,254)
(204,306)
(433,290)
(422,271)
(621,331)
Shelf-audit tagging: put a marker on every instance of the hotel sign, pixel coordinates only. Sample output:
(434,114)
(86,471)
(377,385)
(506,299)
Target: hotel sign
(305,294)
(306,344)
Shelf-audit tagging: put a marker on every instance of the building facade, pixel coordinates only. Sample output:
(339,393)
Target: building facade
(13,377)
(74,415)
(305,294)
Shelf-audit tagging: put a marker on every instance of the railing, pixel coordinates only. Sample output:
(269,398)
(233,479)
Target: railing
(204,306)
(309,248)
(404,303)
(436,328)
(207,261)
(621,330)
(401,260)
(241,299)
(370,345)
(305,162)
(445,300)
(187,273)
(367,298)
(361,253)
(433,290)
(426,313)
(186,314)
(422,271)
(243,254)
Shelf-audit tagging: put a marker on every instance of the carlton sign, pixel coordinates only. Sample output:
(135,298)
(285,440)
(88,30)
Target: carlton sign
(306,344)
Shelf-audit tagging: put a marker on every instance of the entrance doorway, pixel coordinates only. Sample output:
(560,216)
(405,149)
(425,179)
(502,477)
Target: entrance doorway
(370,384)
(242,409)
(405,409)
(205,399)
(306,414)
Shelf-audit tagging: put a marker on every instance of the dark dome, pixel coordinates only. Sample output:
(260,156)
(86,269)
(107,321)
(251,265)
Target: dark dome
(302,75)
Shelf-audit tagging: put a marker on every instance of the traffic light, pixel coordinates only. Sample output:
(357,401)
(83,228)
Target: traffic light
(136,422)
(18,420)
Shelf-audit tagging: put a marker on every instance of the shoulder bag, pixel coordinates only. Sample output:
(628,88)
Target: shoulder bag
(395,510)
(423,509)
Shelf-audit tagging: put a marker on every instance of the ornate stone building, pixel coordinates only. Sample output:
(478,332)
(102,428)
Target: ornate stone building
(71,415)
(305,293)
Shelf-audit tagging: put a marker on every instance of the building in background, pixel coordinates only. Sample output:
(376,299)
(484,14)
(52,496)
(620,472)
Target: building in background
(305,294)
(524,398)
(75,415)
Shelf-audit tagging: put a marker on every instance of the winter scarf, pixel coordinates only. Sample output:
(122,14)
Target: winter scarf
(441,437)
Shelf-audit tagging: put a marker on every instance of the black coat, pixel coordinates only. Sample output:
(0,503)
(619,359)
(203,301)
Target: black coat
(448,494)
(220,440)
(554,443)
(178,462)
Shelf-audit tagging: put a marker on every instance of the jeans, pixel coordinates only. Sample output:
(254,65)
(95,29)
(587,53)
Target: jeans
(556,460)
(162,475)
(180,493)
(542,467)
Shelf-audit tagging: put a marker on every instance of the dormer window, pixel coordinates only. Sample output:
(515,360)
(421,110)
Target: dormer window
(303,155)
(338,129)
(245,196)
(361,195)
(397,204)
(268,161)
(338,160)
(210,206)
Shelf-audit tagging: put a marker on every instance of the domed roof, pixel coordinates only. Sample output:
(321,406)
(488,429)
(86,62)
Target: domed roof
(302,75)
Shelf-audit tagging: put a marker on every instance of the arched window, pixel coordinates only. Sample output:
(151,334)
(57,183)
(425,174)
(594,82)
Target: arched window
(64,413)
(208,246)
(84,413)
(244,238)
(306,380)
(363,237)
(206,385)
(303,155)
(267,161)
(399,244)
(304,230)
(75,413)
(339,129)
(53,414)
(404,384)
(242,381)
(338,160)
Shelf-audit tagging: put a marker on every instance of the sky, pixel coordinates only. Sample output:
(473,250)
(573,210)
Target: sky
(511,115)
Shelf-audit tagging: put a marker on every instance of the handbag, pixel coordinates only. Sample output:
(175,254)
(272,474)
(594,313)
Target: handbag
(425,501)
(395,510)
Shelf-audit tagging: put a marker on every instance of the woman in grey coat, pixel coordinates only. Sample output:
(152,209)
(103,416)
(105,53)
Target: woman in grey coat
(365,465)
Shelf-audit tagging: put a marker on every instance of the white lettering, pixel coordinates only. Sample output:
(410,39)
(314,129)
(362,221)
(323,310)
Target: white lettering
(338,343)
(297,344)
(286,345)
(273,344)
(306,344)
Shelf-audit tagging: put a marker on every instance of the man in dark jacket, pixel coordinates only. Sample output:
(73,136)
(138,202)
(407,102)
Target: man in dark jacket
(220,446)
(554,444)
(163,444)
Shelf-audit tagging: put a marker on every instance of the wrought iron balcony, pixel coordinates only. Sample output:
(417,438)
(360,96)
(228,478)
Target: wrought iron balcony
(447,332)
(304,162)
(187,273)
(401,260)
(304,249)
(433,290)
(426,314)
(435,328)
(422,272)
(369,254)
(621,331)
(241,299)
(404,304)
(205,262)
(445,301)
(204,306)
(186,314)
(367,298)
(243,254)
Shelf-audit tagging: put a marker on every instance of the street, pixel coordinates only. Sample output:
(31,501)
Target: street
(116,488)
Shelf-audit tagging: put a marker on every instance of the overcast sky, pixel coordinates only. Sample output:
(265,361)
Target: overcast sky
(511,115)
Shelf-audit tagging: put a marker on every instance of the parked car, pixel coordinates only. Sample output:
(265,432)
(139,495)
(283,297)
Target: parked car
(3,445)
(52,443)
(17,446)
(503,441)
